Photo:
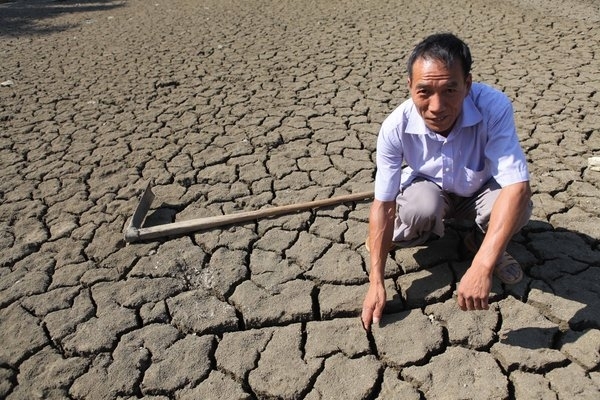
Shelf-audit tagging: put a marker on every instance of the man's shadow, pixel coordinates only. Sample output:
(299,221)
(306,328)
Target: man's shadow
(562,280)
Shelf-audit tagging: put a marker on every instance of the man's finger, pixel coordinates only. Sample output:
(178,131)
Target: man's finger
(481,304)
(484,304)
(365,319)
(377,314)
(461,302)
(366,326)
(376,321)
(469,304)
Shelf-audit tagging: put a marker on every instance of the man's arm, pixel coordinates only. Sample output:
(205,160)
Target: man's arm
(507,212)
(381,228)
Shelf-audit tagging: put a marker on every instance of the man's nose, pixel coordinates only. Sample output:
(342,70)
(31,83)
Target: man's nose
(436,103)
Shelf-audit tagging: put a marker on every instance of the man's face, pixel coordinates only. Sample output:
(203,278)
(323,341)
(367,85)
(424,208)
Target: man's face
(438,92)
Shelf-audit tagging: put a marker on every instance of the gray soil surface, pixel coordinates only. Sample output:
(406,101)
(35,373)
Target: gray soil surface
(230,105)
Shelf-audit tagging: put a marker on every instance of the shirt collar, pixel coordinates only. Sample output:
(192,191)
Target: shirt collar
(470,116)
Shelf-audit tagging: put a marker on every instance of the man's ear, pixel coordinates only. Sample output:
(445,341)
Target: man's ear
(469,82)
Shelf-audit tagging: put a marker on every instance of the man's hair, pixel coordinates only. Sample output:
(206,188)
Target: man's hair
(444,47)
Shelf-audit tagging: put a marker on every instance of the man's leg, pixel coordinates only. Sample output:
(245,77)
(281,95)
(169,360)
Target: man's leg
(479,208)
(420,212)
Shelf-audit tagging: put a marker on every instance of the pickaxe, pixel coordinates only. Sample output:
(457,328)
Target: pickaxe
(135,232)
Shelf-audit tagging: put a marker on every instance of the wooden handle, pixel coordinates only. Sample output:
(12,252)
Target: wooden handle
(193,225)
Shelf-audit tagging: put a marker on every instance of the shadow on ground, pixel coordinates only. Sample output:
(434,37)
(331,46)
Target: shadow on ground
(561,280)
(26,18)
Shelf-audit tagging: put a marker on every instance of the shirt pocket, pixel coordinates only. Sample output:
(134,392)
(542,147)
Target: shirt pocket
(472,181)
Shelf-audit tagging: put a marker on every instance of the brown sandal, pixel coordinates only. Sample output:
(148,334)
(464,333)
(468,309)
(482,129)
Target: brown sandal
(508,270)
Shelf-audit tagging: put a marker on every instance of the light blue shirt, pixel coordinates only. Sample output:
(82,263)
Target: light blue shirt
(483,144)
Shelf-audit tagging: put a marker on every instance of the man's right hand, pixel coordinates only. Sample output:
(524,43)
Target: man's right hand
(381,228)
(373,305)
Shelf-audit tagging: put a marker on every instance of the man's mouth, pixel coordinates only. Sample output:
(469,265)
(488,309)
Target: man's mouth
(437,120)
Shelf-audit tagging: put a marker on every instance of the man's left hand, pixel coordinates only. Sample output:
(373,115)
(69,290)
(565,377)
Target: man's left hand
(474,289)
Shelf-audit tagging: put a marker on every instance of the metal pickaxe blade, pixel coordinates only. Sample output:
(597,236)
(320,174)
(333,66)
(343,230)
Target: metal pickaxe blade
(135,231)
(139,215)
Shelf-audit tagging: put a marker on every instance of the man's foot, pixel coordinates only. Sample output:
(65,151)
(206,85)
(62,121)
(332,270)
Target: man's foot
(507,269)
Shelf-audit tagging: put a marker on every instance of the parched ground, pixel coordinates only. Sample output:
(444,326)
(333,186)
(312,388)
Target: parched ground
(230,105)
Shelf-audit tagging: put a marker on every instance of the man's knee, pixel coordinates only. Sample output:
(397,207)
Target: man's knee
(422,199)
(426,209)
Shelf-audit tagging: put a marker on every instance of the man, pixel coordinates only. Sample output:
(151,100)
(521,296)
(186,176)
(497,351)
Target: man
(463,160)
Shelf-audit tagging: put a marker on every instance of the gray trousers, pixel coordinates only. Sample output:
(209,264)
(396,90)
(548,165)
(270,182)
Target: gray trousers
(422,207)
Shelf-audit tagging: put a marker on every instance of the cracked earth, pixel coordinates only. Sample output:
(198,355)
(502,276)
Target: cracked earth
(233,106)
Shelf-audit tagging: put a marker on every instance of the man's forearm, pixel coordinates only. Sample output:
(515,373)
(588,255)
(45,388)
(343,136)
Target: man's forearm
(381,228)
(505,219)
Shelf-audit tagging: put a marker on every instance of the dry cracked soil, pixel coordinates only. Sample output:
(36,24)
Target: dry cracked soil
(231,105)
